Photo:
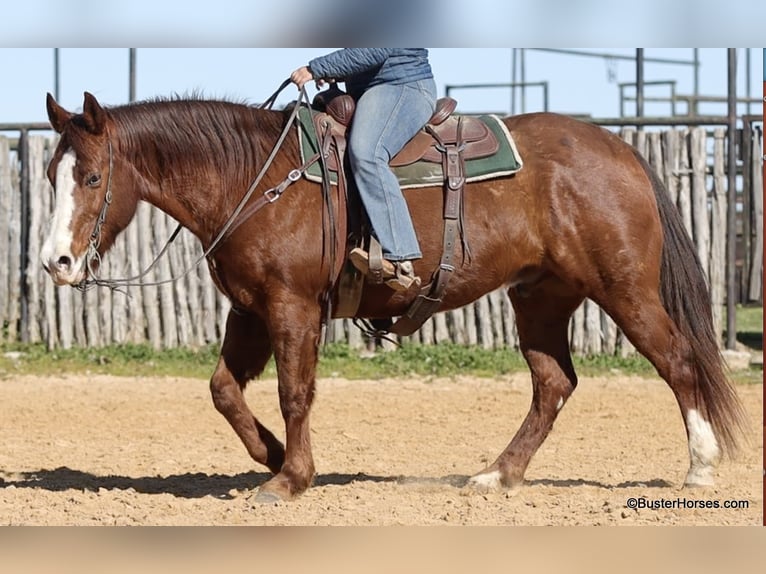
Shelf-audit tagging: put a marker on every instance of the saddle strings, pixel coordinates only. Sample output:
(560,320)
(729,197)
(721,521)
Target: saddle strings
(95,239)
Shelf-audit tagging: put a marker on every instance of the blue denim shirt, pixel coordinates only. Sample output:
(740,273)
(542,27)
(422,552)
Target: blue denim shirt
(362,68)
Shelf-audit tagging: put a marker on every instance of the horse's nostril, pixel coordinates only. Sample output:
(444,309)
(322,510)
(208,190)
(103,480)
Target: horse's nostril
(63,262)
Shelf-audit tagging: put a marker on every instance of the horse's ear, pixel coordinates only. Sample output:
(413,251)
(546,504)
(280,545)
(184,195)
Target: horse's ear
(57,115)
(93,114)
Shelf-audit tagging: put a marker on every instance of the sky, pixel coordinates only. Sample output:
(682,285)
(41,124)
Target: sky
(577,84)
(243,49)
(305,23)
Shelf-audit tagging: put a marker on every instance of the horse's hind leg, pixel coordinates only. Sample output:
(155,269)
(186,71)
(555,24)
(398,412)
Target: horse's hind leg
(542,319)
(245,352)
(647,325)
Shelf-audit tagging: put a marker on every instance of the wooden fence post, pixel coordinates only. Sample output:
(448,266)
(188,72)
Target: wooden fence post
(699,196)
(718,235)
(755,291)
(7,193)
(191,312)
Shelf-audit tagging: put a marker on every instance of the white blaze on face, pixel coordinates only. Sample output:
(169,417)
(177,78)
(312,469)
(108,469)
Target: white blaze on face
(57,248)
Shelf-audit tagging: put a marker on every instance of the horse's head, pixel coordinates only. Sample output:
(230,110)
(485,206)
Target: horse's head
(92,202)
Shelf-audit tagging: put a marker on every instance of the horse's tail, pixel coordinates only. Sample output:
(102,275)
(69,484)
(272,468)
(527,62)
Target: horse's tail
(686,299)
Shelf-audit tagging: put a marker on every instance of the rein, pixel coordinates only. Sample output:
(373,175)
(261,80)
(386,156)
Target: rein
(234,220)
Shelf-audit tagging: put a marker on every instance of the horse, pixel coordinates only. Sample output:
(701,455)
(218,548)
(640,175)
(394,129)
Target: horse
(585,217)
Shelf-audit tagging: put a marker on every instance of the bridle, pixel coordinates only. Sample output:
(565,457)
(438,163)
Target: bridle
(269,196)
(94,242)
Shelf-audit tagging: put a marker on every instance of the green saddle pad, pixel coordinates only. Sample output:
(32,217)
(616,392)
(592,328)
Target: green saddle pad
(506,161)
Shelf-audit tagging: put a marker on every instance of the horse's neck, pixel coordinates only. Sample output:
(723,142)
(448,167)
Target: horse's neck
(196,208)
(198,171)
(195,196)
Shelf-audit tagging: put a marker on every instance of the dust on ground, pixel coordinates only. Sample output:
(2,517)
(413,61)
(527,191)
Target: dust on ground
(100,450)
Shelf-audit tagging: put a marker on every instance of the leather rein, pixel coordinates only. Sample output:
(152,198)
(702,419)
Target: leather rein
(238,216)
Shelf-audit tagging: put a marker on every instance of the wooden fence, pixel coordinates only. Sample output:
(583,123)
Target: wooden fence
(190,312)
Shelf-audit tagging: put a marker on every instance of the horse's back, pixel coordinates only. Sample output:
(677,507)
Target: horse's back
(586,196)
(578,162)
(572,211)
(546,135)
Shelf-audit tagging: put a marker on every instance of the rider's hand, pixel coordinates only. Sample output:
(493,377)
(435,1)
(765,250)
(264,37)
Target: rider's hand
(302,75)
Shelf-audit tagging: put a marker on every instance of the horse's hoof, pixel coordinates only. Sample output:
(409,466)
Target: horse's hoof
(484,482)
(266,497)
(700,477)
(696,483)
(489,482)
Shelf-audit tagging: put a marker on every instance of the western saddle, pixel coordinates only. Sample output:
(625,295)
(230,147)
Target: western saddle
(447,139)
(336,109)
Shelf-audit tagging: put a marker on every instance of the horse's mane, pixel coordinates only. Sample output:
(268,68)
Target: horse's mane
(192,133)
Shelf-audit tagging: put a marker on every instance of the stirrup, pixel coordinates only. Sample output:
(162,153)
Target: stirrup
(392,274)
(405,277)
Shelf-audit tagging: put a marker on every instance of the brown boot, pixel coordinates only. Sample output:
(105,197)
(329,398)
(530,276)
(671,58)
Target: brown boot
(405,277)
(398,275)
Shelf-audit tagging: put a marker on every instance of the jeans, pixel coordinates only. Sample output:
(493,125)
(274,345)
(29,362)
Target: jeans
(386,118)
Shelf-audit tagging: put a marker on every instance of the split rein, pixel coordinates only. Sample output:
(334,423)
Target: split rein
(267,197)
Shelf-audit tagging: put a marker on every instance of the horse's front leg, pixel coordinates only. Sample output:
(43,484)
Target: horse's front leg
(295,330)
(246,350)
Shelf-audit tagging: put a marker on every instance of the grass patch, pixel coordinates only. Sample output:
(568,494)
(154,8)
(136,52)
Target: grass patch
(120,360)
(442,360)
(336,360)
(751,376)
(750,326)
(339,360)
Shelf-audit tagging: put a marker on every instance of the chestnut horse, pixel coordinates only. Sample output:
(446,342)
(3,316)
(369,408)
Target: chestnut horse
(586,217)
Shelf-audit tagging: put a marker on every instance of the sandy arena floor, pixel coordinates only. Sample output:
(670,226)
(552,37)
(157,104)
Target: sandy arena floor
(117,451)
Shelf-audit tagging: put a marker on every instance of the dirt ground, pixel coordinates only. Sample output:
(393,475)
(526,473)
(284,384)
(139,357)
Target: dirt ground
(118,451)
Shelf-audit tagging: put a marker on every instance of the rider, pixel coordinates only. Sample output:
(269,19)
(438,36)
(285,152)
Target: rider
(395,96)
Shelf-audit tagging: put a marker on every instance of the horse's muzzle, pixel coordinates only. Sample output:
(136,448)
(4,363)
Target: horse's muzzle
(64,270)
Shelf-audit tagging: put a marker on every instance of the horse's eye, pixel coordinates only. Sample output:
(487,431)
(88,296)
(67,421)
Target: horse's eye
(94,180)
